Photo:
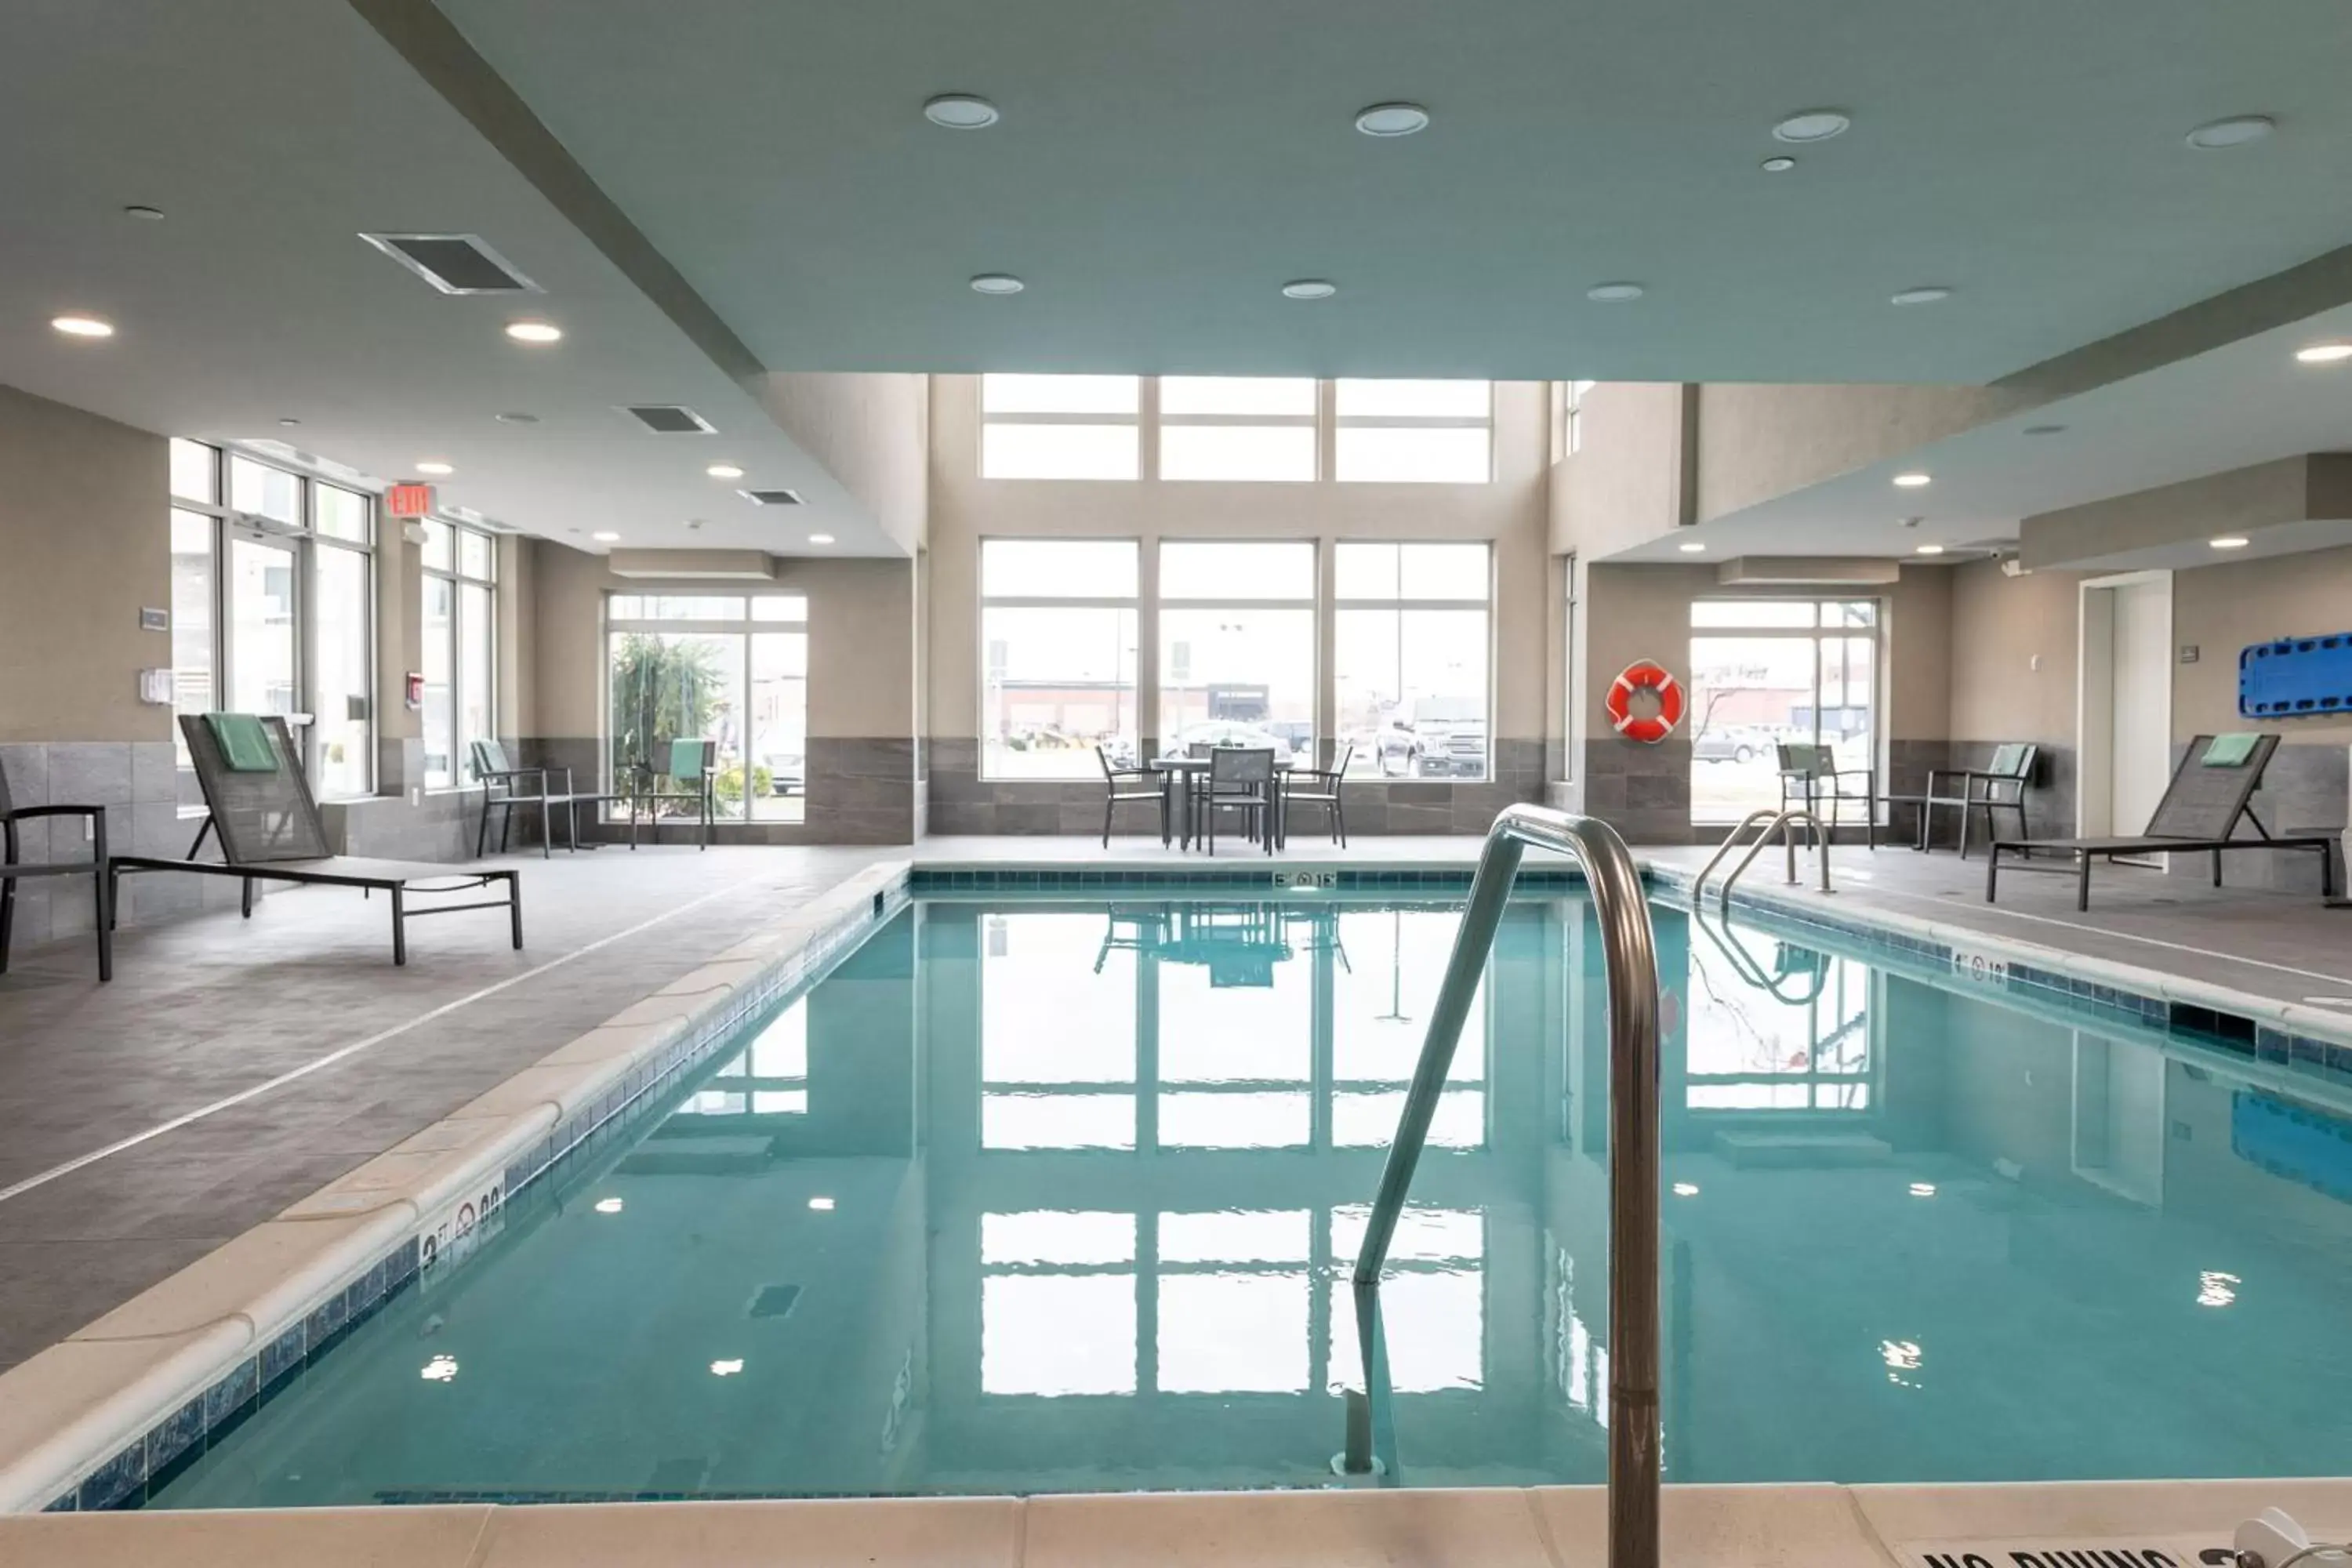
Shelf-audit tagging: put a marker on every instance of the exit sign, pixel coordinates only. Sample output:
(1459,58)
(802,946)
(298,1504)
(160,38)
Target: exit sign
(409,500)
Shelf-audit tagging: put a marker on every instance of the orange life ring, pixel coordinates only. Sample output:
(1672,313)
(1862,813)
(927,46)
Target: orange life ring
(1648,675)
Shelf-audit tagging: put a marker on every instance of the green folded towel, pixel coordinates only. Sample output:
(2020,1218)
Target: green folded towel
(244,743)
(686,759)
(2231,750)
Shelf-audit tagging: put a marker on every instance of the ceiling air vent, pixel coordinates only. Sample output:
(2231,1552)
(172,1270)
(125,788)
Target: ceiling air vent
(670,419)
(772,498)
(453,263)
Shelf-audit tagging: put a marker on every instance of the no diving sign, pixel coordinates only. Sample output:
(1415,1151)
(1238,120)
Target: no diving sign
(2073,1551)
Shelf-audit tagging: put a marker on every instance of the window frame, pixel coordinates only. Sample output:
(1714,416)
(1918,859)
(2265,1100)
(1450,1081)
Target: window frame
(455,574)
(1341,423)
(1311,422)
(302,539)
(1817,634)
(1401,604)
(1161,604)
(749,625)
(1139,421)
(1136,604)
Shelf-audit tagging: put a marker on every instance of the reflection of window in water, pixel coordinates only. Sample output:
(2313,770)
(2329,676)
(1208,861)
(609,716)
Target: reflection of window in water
(769,1077)
(1234,1295)
(1057,1036)
(1380,1013)
(1802,1044)
(1579,1352)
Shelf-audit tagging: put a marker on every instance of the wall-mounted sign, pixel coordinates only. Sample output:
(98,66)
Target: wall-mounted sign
(408,501)
(2070,1551)
(154,620)
(415,691)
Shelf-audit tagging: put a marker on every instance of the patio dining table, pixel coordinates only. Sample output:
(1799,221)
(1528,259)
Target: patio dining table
(1177,773)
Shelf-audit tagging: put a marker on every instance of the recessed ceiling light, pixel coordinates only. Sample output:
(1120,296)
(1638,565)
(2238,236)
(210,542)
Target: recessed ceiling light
(1927,550)
(430,467)
(518,419)
(534,331)
(1685,1189)
(605,536)
(1926,294)
(82,326)
(2228,542)
(1913,481)
(2237,131)
(823,1206)
(1780,165)
(1393,119)
(1923,1189)
(1614,293)
(960,111)
(1691,547)
(725,1368)
(145,214)
(724,471)
(820,539)
(288,419)
(608,1205)
(1309,289)
(2325,353)
(2045,429)
(1813,125)
(997,283)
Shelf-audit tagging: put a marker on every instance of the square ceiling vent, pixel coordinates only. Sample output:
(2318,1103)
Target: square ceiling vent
(453,263)
(772,498)
(670,419)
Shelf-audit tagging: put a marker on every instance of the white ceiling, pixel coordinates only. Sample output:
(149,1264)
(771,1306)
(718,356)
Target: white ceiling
(271,133)
(2249,402)
(1162,170)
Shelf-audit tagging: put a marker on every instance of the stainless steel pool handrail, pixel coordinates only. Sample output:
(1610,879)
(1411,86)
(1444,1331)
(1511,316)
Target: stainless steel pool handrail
(1784,823)
(1629,964)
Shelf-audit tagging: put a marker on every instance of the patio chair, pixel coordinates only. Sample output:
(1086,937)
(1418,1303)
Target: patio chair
(1810,777)
(2211,789)
(1999,785)
(260,808)
(1319,787)
(506,786)
(1130,786)
(689,774)
(1240,779)
(14,868)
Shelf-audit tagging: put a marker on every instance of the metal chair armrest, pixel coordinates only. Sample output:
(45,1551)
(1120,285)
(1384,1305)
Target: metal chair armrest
(24,813)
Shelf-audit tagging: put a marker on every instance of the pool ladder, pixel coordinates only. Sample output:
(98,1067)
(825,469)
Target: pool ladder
(1630,963)
(1782,822)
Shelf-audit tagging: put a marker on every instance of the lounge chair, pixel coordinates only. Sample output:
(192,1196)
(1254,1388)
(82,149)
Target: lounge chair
(506,788)
(261,810)
(14,868)
(2211,790)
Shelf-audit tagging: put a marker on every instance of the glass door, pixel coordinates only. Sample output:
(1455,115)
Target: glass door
(1769,671)
(264,649)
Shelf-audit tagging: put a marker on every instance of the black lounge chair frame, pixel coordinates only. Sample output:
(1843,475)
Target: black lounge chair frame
(269,831)
(2200,813)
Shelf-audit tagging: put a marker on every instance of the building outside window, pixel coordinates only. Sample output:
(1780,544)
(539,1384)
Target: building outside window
(1061,426)
(1411,637)
(1414,432)
(730,669)
(1237,428)
(1764,671)
(461,645)
(1237,645)
(1058,656)
(272,607)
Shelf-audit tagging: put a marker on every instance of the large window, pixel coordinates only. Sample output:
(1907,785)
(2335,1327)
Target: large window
(1057,632)
(1234,427)
(1237,645)
(1415,432)
(1060,427)
(461,644)
(1767,670)
(730,669)
(273,607)
(1410,657)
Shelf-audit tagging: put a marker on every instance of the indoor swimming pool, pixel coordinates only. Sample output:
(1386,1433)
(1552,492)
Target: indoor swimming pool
(1038,1193)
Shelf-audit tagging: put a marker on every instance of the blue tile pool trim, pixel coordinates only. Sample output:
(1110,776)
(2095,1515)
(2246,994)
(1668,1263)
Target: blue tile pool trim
(144,1465)
(931,880)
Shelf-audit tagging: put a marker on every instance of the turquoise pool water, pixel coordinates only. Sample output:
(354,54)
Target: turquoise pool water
(1036,1194)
